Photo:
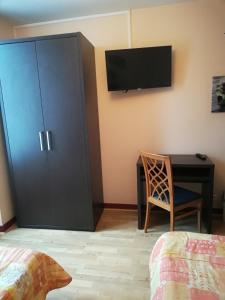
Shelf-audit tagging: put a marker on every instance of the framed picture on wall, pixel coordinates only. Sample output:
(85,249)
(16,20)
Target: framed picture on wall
(218,94)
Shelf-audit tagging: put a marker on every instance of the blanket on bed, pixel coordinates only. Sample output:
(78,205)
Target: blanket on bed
(186,265)
(29,275)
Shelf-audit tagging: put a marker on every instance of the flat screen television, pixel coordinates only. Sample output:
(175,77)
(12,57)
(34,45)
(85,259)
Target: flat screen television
(139,68)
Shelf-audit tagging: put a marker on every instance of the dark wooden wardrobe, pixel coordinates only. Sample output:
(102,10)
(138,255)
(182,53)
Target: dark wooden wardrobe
(50,120)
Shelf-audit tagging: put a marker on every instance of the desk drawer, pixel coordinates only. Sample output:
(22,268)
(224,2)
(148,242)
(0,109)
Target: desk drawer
(186,174)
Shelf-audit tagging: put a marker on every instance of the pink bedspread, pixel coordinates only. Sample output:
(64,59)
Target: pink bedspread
(187,265)
(29,275)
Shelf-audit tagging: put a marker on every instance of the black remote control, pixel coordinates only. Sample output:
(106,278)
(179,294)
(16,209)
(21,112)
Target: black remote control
(201,156)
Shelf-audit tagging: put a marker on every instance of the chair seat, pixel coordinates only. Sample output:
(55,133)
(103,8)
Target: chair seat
(182,196)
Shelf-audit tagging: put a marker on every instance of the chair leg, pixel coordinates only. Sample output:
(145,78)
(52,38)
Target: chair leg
(147,217)
(199,218)
(171,221)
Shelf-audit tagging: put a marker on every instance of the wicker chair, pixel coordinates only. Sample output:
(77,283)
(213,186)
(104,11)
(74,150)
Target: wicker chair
(161,192)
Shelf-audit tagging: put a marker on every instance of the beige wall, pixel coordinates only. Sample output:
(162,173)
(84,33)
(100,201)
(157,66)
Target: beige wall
(169,120)
(6,29)
(6,210)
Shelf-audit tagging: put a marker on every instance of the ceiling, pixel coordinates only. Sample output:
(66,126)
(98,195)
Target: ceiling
(33,11)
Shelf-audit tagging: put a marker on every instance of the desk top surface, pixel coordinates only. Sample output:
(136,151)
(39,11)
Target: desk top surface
(185,160)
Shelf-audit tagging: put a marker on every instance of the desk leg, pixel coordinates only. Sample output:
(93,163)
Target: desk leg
(207,191)
(140,198)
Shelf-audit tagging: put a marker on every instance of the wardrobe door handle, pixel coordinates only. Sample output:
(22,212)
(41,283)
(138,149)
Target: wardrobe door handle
(49,140)
(41,134)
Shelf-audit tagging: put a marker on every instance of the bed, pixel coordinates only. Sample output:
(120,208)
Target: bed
(186,265)
(29,275)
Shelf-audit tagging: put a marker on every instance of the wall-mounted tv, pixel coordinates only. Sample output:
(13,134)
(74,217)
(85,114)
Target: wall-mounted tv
(139,68)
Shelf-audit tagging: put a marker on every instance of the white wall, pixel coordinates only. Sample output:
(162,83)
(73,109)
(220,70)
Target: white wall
(6,209)
(169,120)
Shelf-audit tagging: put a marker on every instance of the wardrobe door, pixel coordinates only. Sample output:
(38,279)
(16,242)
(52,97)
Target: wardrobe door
(58,62)
(23,120)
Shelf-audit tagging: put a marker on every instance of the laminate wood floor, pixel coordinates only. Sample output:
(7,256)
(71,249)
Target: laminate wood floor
(109,264)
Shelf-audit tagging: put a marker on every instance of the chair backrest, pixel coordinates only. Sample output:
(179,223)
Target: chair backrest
(158,176)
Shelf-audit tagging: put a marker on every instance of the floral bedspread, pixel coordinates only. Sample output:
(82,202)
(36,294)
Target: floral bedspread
(186,265)
(29,275)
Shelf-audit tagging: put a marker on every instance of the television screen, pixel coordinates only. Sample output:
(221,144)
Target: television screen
(138,68)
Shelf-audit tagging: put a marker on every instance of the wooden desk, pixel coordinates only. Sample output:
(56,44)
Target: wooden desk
(186,168)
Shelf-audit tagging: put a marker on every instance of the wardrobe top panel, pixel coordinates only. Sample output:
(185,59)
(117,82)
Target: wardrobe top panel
(45,37)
